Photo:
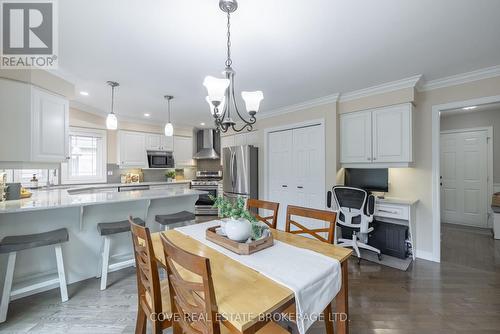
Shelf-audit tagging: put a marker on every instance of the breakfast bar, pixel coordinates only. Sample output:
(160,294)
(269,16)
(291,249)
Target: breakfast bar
(79,212)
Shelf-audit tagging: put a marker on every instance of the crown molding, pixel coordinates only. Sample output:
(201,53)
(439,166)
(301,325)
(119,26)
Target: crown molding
(329,99)
(459,79)
(387,87)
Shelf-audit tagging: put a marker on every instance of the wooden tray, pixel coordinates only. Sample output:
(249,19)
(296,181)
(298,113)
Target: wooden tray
(239,247)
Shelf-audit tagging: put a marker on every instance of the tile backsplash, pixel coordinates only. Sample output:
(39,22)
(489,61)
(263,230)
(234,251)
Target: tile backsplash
(209,165)
(150,175)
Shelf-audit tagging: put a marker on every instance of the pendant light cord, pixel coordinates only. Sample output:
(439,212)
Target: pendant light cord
(168,101)
(112,99)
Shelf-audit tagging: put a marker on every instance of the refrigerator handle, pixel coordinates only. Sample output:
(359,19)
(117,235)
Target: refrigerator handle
(233,169)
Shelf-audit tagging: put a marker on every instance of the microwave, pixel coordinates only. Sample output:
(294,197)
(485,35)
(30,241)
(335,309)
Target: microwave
(160,159)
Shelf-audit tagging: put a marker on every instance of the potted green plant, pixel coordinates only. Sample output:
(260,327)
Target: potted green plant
(170,175)
(239,223)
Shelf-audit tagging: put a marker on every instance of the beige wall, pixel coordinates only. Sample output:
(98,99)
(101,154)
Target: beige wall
(380,100)
(416,182)
(87,120)
(474,120)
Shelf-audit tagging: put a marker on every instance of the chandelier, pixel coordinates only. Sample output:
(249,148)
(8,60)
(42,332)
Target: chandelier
(221,98)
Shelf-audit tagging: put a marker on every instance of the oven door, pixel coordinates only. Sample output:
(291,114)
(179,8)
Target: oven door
(204,205)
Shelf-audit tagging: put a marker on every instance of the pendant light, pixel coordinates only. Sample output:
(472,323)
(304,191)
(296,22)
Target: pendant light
(169,128)
(111,120)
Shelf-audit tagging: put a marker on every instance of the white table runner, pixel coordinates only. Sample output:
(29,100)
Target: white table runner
(313,277)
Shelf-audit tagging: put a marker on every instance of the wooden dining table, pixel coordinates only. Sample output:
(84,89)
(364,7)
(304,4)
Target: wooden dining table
(244,295)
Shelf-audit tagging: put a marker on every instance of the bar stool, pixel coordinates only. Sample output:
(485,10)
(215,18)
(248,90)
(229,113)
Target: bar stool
(14,244)
(174,218)
(106,230)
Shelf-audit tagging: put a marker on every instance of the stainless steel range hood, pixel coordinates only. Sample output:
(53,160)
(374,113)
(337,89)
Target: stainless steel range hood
(207,151)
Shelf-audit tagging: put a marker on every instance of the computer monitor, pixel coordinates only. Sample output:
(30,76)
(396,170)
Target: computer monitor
(369,179)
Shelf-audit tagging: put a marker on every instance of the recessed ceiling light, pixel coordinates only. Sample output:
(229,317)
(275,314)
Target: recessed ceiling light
(84,93)
(202,124)
(469,108)
(147,115)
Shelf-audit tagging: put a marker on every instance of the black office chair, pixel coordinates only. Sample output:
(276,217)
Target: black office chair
(356,210)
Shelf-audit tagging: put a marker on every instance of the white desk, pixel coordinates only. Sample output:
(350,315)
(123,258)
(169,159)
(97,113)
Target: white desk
(398,211)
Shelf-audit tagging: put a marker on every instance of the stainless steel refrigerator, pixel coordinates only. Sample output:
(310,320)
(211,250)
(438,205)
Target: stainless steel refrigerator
(240,172)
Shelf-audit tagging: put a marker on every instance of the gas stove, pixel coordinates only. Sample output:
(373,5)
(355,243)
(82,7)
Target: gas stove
(208,182)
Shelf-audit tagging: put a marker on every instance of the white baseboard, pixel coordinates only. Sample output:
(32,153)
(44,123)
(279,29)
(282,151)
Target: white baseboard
(424,255)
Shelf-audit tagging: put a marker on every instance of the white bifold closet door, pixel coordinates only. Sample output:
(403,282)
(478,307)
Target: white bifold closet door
(297,170)
(464,174)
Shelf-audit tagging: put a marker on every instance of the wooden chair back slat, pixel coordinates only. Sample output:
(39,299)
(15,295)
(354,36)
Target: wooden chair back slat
(322,215)
(193,303)
(271,220)
(148,281)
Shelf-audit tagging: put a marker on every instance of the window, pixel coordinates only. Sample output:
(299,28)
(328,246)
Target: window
(87,162)
(23,176)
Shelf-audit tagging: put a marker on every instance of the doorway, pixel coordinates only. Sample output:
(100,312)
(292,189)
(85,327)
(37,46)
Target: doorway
(440,112)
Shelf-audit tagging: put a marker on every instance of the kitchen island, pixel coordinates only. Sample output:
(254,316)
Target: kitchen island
(80,212)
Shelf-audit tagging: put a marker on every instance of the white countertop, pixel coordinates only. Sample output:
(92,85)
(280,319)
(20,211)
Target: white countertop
(396,200)
(60,198)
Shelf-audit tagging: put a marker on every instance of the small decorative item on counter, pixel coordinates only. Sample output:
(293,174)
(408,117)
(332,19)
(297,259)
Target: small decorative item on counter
(25,193)
(170,175)
(34,182)
(13,191)
(495,201)
(123,178)
(3,186)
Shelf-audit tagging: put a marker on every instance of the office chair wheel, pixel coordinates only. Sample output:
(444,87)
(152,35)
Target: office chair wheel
(379,257)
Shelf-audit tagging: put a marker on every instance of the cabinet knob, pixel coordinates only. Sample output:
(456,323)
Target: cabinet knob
(368,159)
(374,158)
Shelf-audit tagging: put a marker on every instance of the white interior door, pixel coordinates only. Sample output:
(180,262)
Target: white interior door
(464,172)
(280,171)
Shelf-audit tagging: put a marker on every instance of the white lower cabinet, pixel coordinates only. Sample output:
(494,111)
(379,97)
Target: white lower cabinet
(34,124)
(377,138)
(131,149)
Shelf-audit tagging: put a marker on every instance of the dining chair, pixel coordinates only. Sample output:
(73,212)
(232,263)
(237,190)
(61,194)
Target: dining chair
(153,294)
(192,294)
(271,220)
(326,216)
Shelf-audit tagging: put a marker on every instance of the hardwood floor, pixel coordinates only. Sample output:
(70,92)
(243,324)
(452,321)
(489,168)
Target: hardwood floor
(460,295)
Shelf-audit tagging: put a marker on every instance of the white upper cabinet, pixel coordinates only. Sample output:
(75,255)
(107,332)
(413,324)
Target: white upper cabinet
(376,138)
(50,127)
(392,134)
(183,151)
(159,142)
(34,124)
(131,149)
(356,137)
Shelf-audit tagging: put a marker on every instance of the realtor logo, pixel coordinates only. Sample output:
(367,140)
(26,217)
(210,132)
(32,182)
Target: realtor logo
(29,36)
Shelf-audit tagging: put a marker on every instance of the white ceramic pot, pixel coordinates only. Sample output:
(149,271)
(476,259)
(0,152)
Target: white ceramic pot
(238,230)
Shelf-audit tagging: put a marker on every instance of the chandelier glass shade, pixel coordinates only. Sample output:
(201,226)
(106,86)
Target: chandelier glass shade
(221,97)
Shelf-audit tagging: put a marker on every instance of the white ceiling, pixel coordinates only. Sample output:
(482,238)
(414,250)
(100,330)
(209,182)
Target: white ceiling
(292,50)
